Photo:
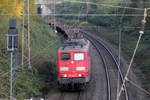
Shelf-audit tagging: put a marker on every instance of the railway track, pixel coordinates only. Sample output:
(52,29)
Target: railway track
(104,53)
(105,67)
(71,96)
(110,63)
(61,97)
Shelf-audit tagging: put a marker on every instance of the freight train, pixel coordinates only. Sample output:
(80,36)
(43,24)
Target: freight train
(73,64)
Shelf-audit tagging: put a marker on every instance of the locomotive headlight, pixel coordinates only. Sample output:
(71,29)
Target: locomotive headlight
(80,68)
(79,75)
(65,75)
(64,68)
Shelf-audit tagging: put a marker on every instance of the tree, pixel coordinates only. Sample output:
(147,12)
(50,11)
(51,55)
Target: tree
(13,8)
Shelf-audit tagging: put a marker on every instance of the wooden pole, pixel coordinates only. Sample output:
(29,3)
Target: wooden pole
(130,65)
(29,50)
(23,34)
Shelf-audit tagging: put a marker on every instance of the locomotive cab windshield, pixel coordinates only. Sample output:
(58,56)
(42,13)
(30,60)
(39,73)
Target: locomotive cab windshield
(65,56)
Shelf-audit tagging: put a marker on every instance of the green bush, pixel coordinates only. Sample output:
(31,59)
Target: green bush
(44,45)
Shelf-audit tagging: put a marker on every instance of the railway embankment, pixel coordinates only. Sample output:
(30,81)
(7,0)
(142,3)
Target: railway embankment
(44,44)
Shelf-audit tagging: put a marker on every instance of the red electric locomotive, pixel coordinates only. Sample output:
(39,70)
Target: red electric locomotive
(73,64)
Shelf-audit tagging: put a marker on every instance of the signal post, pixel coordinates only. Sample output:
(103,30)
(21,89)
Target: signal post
(12,47)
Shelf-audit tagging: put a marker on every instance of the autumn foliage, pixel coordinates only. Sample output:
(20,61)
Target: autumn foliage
(14,8)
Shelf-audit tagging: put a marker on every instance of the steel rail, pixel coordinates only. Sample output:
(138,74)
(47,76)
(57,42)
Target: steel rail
(79,96)
(106,70)
(105,67)
(110,53)
(61,97)
(97,41)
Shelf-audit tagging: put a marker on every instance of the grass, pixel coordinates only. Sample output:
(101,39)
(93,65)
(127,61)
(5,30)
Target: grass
(44,45)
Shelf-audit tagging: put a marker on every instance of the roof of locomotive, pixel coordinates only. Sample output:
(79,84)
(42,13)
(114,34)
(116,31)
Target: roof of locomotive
(75,44)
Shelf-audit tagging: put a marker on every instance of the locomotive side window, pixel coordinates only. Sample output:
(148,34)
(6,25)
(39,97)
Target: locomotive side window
(78,56)
(65,56)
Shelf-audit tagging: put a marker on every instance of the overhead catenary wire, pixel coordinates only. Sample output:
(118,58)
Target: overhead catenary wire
(132,58)
(94,14)
(26,62)
(33,57)
(55,15)
(87,9)
(92,3)
(78,16)
(42,49)
(137,86)
(119,61)
(89,15)
(80,10)
(108,2)
(37,61)
(54,3)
